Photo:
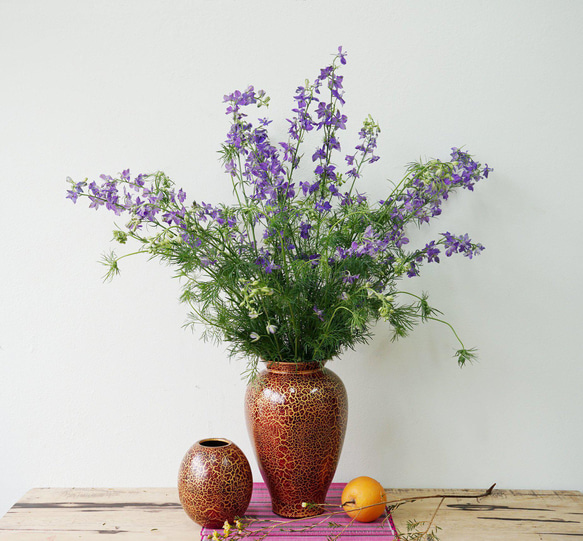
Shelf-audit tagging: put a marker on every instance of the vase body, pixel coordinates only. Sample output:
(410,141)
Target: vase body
(296,416)
(214,482)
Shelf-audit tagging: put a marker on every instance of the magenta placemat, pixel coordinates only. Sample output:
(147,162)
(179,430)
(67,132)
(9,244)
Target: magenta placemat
(319,527)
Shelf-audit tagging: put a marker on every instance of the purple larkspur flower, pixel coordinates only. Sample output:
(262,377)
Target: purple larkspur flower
(353,173)
(333,143)
(319,313)
(314,259)
(432,252)
(305,230)
(268,265)
(76,191)
(73,195)
(139,180)
(238,99)
(323,206)
(413,271)
(340,121)
(206,262)
(326,171)
(320,154)
(460,244)
(308,188)
(350,278)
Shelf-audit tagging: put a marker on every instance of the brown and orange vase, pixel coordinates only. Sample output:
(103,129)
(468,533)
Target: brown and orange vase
(214,482)
(296,417)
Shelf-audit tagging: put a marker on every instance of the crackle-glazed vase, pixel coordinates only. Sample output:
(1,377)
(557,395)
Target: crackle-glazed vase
(214,482)
(296,416)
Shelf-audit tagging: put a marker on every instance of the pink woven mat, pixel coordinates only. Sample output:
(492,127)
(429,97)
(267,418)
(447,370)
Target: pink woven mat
(319,527)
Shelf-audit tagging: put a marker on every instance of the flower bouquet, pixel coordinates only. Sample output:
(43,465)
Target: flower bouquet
(302,264)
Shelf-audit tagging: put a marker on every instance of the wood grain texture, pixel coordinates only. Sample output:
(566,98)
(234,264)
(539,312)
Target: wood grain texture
(513,515)
(127,514)
(120,514)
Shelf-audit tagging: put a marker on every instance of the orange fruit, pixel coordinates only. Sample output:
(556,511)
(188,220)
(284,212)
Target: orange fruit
(364,492)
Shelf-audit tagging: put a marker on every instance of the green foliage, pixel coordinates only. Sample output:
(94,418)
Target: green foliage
(293,271)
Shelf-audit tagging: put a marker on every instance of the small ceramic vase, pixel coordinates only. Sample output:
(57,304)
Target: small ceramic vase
(214,482)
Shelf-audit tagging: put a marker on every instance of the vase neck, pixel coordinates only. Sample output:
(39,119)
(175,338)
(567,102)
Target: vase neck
(292,368)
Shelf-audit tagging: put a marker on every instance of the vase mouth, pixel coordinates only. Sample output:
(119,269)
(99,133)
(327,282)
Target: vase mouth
(213,443)
(291,367)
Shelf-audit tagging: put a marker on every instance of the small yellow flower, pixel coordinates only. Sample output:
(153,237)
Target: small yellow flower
(226,528)
(239,525)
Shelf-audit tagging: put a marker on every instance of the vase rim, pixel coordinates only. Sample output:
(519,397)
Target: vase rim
(214,443)
(290,367)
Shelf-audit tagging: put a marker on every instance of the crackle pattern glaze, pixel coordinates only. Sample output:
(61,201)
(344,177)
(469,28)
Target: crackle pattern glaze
(214,482)
(296,417)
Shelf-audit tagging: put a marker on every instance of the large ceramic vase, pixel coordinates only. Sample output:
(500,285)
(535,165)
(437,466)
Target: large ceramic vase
(296,417)
(214,482)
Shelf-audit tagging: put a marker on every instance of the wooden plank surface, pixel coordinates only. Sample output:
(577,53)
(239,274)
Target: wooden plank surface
(64,514)
(513,515)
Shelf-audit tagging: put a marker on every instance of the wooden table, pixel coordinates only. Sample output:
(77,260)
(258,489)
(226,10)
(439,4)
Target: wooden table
(64,514)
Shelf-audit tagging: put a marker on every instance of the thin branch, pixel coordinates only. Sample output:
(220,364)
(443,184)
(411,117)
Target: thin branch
(432,519)
(472,496)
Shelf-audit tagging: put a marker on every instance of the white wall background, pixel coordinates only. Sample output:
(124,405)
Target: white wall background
(100,385)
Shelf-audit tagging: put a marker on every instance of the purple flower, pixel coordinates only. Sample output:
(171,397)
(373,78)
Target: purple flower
(432,252)
(72,195)
(326,171)
(308,188)
(319,313)
(314,260)
(206,262)
(460,244)
(412,272)
(353,173)
(268,266)
(320,154)
(333,143)
(305,230)
(350,278)
(323,206)
(339,122)
(77,189)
